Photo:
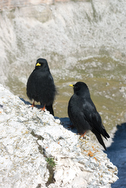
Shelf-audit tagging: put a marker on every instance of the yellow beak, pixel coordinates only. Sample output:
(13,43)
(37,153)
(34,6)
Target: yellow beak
(71,85)
(38,64)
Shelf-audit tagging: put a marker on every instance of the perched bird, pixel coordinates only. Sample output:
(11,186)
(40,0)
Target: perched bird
(83,113)
(41,87)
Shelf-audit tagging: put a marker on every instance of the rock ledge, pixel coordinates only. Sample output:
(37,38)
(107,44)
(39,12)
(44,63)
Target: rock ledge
(29,137)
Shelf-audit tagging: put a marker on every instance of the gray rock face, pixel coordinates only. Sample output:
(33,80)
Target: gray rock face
(29,138)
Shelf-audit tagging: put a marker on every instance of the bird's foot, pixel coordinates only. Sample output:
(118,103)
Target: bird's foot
(33,105)
(43,108)
(82,135)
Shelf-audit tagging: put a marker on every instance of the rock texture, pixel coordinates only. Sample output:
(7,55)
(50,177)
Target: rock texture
(30,139)
(21,3)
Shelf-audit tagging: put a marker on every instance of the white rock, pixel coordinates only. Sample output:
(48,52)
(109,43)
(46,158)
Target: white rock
(28,136)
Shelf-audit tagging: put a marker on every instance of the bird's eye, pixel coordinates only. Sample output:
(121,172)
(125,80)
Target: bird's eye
(38,64)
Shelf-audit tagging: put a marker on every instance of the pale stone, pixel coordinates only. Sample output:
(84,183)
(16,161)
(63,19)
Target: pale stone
(23,155)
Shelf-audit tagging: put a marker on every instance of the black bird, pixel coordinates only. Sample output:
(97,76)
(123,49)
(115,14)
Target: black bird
(41,87)
(83,113)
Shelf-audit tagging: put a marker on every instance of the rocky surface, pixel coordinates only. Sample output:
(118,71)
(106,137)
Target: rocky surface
(30,139)
(20,3)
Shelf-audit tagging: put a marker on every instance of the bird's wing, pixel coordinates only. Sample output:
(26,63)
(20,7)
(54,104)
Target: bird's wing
(91,115)
(77,117)
(94,119)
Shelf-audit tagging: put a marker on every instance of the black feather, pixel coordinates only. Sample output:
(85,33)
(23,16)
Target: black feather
(83,113)
(40,85)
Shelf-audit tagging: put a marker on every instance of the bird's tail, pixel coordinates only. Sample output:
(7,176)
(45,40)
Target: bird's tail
(50,109)
(98,136)
(105,134)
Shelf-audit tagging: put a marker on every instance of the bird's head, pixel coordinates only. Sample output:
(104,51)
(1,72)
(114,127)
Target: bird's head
(80,88)
(41,64)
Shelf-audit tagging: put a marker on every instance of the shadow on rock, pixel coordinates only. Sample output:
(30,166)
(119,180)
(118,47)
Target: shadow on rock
(28,103)
(117,154)
(64,121)
(67,124)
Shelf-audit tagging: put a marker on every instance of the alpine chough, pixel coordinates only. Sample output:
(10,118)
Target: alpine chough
(83,113)
(40,85)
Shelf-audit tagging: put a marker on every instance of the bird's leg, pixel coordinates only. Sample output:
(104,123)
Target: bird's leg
(43,108)
(33,105)
(82,135)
